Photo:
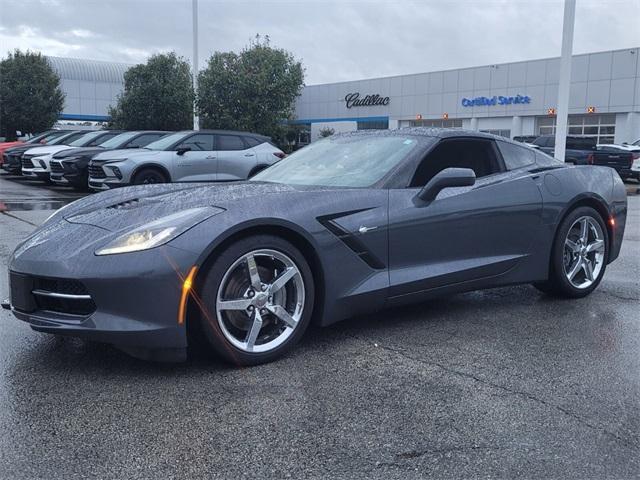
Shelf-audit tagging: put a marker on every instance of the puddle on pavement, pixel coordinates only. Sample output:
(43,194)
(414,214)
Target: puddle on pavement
(34,204)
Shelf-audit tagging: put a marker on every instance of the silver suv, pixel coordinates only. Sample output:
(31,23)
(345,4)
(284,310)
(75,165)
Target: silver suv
(189,156)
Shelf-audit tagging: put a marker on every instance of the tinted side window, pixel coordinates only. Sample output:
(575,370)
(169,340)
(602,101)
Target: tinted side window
(545,160)
(515,156)
(144,140)
(478,155)
(66,140)
(252,142)
(543,142)
(200,142)
(103,138)
(230,142)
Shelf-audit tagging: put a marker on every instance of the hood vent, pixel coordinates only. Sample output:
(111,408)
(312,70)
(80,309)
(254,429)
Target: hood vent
(132,203)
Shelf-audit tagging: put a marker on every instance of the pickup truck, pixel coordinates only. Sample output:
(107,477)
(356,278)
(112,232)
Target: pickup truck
(584,151)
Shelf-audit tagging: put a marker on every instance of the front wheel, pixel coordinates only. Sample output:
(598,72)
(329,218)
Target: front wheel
(149,175)
(258,298)
(579,255)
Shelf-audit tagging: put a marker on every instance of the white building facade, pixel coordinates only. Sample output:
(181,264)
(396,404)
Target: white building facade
(90,87)
(511,99)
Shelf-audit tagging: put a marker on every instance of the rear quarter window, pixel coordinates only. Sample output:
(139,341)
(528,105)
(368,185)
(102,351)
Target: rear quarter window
(515,156)
(252,142)
(230,142)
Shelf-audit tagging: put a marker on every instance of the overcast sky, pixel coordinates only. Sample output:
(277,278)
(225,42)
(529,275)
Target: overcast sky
(336,40)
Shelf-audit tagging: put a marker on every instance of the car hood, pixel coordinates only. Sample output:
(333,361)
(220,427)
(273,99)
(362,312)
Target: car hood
(78,152)
(129,207)
(18,149)
(46,150)
(124,153)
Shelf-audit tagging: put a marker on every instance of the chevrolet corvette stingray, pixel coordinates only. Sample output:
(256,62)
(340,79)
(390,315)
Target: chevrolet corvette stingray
(348,225)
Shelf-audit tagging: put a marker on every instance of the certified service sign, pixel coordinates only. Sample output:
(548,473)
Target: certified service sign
(495,100)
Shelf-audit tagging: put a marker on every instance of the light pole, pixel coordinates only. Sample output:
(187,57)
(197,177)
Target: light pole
(194,62)
(564,83)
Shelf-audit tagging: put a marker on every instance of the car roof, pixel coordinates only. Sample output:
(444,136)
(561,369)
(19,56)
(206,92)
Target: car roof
(148,131)
(427,132)
(228,132)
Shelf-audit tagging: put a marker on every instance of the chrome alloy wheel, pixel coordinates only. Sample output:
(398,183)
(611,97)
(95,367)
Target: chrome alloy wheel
(260,301)
(584,250)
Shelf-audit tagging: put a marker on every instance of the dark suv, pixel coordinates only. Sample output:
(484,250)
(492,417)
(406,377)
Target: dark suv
(584,151)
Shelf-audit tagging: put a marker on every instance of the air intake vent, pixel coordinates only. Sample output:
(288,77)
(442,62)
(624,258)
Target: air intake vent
(126,204)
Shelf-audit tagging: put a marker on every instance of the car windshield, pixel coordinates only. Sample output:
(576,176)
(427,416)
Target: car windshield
(38,138)
(62,139)
(166,142)
(350,161)
(118,140)
(86,138)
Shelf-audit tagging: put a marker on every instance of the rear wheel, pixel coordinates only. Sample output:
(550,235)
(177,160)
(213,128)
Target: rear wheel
(258,297)
(579,256)
(149,175)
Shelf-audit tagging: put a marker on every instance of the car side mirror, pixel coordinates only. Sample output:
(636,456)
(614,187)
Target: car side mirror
(183,150)
(449,177)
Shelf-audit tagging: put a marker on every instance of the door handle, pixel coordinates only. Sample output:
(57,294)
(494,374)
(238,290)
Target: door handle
(210,158)
(248,154)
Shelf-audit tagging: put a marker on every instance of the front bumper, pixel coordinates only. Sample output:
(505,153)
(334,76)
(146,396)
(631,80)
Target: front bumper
(104,183)
(135,296)
(38,173)
(59,179)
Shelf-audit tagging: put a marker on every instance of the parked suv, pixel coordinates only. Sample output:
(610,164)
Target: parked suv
(35,162)
(634,150)
(71,166)
(38,139)
(188,156)
(12,158)
(584,151)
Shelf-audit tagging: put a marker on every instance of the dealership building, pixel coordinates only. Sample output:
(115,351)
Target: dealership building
(90,87)
(509,99)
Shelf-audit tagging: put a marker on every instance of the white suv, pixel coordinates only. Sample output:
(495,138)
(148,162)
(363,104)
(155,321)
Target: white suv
(189,156)
(36,162)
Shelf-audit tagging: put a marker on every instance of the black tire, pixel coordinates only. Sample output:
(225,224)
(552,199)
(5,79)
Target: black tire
(210,285)
(558,284)
(256,170)
(149,175)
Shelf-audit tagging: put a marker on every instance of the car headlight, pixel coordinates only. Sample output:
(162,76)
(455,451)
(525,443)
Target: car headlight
(158,232)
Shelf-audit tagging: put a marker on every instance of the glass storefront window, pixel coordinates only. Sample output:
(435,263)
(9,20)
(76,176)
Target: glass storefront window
(453,123)
(500,133)
(602,127)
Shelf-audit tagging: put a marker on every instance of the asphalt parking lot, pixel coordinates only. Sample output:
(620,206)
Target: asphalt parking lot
(504,383)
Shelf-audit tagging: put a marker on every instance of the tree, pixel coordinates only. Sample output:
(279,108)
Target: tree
(30,96)
(326,132)
(254,90)
(157,95)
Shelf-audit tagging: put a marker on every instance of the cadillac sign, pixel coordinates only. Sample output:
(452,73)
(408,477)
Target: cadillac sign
(354,100)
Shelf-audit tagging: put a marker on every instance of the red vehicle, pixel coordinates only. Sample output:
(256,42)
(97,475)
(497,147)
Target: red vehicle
(40,138)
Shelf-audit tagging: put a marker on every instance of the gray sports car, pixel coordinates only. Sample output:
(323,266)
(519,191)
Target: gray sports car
(348,225)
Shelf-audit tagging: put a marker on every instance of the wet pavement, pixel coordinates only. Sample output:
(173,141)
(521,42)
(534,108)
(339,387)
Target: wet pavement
(504,383)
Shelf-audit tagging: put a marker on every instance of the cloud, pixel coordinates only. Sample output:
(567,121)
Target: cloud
(81,33)
(337,40)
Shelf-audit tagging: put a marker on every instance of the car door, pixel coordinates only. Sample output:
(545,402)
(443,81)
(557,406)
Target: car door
(235,158)
(195,160)
(466,233)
